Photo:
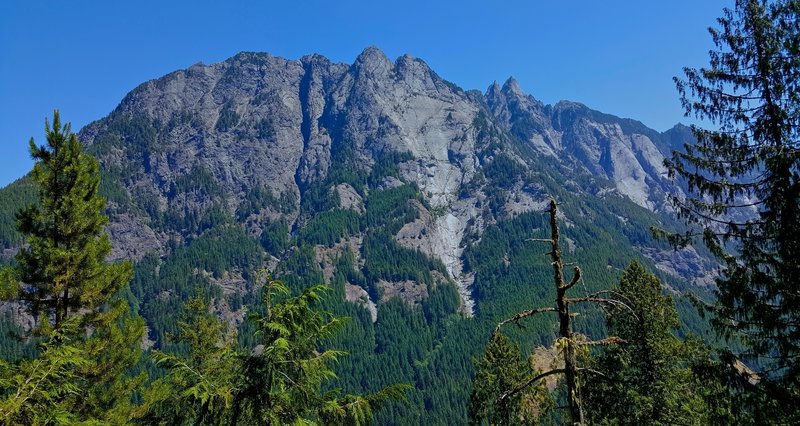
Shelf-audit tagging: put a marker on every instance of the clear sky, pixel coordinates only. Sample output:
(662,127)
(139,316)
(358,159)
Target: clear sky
(82,56)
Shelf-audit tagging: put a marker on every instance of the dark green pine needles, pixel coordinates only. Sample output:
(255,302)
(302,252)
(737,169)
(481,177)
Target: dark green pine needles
(73,294)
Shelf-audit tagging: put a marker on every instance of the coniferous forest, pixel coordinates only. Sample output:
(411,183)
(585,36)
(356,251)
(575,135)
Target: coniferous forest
(312,307)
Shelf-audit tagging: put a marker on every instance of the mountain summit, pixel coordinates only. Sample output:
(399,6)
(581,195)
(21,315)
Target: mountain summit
(413,198)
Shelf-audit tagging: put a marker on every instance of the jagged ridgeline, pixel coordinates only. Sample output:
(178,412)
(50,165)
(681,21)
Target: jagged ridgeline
(412,198)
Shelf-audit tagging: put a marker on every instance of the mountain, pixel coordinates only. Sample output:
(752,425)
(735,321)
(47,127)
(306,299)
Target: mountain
(413,198)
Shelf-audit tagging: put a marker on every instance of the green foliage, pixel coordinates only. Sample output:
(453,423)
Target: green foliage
(13,345)
(74,295)
(134,131)
(19,194)
(300,268)
(749,93)
(198,180)
(279,382)
(44,388)
(390,208)
(261,197)
(318,199)
(200,386)
(329,227)
(112,190)
(162,285)
(221,249)
(275,237)
(346,169)
(648,377)
(501,368)
(387,165)
(503,171)
(192,221)
(442,301)
(228,119)
(386,259)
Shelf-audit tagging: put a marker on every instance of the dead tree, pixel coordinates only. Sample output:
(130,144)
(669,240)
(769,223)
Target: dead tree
(566,335)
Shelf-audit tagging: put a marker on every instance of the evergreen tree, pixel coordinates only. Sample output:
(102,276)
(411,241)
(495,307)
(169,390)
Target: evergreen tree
(744,180)
(501,368)
(198,387)
(62,277)
(283,380)
(648,376)
(63,266)
(280,382)
(41,390)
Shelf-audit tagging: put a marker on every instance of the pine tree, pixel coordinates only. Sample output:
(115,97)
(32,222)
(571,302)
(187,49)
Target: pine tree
(200,386)
(501,368)
(62,278)
(744,182)
(63,266)
(280,382)
(647,376)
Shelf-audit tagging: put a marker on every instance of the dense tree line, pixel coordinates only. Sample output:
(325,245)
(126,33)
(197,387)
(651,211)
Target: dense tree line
(276,365)
(743,203)
(86,367)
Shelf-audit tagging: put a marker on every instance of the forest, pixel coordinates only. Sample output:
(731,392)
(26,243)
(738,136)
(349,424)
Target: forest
(572,325)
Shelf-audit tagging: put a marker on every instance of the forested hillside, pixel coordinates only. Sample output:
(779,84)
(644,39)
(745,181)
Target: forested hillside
(298,208)
(423,237)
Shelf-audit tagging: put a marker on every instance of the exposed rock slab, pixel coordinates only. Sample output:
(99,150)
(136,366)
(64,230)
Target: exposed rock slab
(359,296)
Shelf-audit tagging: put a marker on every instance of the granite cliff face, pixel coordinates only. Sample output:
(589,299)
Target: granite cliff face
(623,151)
(203,140)
(415,200)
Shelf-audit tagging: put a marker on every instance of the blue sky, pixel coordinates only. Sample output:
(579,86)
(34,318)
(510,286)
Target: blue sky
(82,56)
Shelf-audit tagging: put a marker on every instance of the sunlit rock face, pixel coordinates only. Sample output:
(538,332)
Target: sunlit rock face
(256,122)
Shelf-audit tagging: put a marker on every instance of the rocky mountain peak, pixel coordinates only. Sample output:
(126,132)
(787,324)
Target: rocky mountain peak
(674,138)
(315,60)
(257,123)
(511,86)
(372,62)
(567,113)
(494,96)
(408,67)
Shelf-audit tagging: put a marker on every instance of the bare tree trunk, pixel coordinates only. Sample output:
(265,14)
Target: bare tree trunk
(571,369)
(565,326)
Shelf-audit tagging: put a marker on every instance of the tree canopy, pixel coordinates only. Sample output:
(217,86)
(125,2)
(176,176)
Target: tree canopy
(744,181)
(648,378)
(63,280)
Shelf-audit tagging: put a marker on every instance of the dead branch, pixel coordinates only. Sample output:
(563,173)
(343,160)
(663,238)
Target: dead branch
(520,387)
(575,278)
(602,342)
(524,314)
(603,301)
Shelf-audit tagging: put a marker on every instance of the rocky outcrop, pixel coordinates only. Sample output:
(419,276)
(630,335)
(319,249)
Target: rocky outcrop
(349,198)
(132,238)
(357,295)
(621,150)
(252,135)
